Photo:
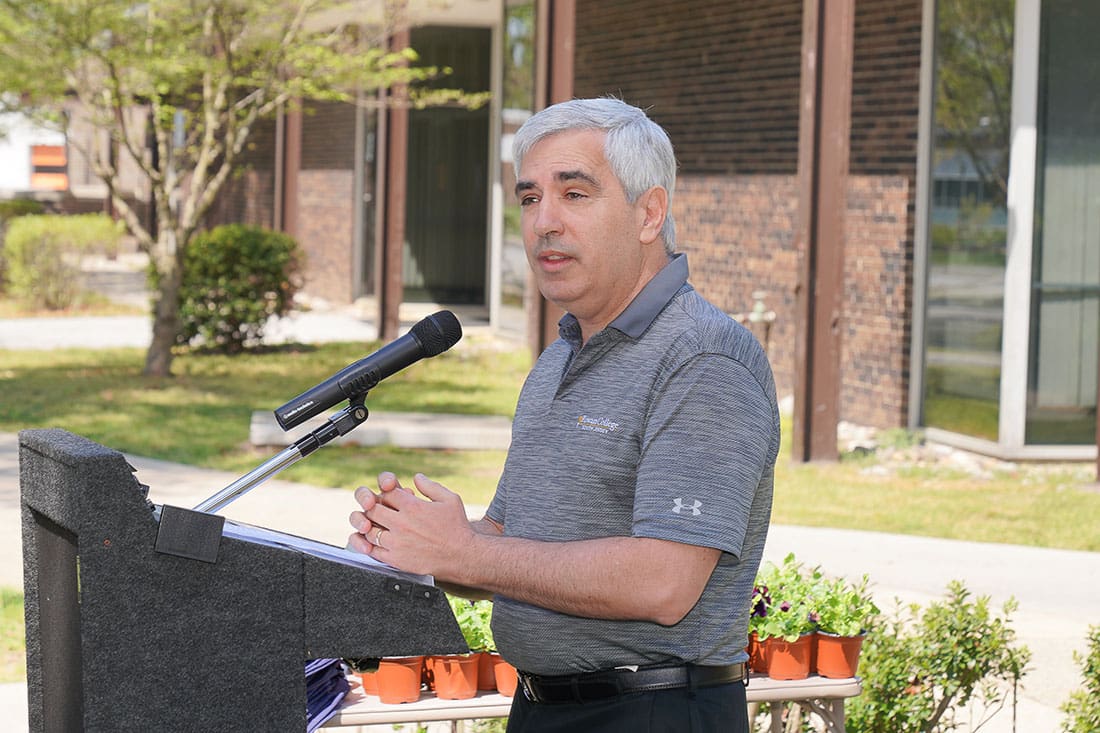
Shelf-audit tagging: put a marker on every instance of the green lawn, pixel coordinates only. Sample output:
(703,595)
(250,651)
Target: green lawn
(201,417)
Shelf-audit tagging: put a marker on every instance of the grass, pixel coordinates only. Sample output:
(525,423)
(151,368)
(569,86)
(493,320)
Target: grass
(201,417)
(13,657)
(87,304)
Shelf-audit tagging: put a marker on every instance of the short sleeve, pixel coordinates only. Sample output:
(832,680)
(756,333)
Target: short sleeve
(711,435)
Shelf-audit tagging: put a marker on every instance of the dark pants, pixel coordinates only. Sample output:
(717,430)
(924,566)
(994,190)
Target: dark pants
(715,709)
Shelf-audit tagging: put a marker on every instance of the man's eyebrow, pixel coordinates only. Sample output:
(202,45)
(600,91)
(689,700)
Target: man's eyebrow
(561,177)
(577,176)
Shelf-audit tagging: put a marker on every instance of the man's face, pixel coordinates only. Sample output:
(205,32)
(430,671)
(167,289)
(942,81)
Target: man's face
(590,249)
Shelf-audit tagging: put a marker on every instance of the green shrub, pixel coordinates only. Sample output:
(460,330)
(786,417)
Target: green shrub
(235,279)
(9,209)
(919,669)
(1083,706)
(42,255)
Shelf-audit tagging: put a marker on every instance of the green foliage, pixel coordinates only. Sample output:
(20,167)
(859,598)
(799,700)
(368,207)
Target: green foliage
(9,209)
(783,600)
(790,600)
(43,255)
(844,608)
(921,668)
(13,658)
(473,619)
(1083,706)
(235,278)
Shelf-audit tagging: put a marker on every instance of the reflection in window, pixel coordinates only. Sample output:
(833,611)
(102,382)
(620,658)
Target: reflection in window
(1065,291)
(968,216)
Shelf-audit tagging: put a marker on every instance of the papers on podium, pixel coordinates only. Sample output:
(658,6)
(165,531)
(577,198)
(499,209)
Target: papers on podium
(272,538)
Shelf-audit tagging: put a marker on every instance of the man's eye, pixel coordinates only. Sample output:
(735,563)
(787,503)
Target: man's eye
(574,195)
(525,200)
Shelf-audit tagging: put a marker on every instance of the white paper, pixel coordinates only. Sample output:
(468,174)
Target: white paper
(272,538)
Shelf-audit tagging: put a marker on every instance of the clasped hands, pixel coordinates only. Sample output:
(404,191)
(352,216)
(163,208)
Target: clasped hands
(414,534)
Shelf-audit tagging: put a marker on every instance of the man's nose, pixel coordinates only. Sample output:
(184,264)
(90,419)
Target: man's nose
(547,220)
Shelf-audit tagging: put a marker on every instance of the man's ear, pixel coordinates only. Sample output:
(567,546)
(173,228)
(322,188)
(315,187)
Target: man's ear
(652,209)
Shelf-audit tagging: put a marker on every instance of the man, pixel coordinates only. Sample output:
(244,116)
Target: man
(627,528)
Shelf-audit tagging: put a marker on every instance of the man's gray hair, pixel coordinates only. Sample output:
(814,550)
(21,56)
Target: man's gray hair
(637,148)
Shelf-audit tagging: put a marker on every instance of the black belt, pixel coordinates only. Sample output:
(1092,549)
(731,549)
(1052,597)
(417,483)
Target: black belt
(591,686)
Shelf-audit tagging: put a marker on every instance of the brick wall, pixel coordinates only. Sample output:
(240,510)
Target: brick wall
(738,233)
(325,233)
(877,284)
(325,199)
(723,78)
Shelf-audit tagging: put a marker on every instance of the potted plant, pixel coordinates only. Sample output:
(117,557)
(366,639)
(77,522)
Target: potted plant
(475,620)
(786,621)
(761,604)
(454,676)
(845,613)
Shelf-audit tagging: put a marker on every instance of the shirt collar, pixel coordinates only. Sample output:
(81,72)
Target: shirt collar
(645,307)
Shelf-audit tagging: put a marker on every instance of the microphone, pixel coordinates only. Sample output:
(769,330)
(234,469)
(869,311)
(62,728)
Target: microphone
(430,337)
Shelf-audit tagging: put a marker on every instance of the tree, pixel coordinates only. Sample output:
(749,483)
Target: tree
(177,89)
(974,83)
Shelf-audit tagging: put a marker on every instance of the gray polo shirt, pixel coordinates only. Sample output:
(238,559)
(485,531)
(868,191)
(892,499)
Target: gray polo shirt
(663,425)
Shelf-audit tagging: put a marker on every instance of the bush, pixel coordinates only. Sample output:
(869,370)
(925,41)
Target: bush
(9,209)
(919,669)
(42,255)
(1083,706)
(235,278)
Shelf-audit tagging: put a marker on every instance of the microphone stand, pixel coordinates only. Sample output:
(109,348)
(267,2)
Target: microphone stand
(340,423)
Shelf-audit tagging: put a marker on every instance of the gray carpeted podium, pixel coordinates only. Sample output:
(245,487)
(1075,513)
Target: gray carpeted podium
(131,628)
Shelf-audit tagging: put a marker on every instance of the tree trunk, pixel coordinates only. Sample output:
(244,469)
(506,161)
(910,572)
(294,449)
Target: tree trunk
(166,311)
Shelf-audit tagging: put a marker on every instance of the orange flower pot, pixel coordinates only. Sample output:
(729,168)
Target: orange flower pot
(455,676)
(789,660)
(838,656)
(486,675)
(398,679)
(757,660)
(506,677)
(369,681)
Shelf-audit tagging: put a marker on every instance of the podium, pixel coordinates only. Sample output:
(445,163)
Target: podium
(123,636)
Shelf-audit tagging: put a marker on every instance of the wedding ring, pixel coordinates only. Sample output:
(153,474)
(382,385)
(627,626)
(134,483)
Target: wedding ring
(378,537)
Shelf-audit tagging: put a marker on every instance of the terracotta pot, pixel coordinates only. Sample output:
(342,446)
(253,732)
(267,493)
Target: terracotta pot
(506,677)
(486,675)
(837,656)
(398,679)
(455,676)
(757,660)
(370,682)
(789,660)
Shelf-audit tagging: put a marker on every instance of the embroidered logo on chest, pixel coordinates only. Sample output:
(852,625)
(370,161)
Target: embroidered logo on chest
(596,424)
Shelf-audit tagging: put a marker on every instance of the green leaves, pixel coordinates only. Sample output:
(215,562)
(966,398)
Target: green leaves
(1083,706)
(474,619)
(235,278)
(921,667)
(790,600)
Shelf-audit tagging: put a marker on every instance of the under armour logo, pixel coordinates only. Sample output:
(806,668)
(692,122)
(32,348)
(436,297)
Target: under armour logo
(693,507)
